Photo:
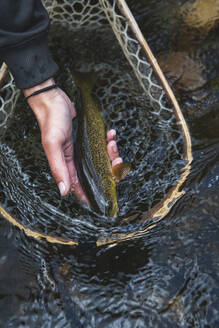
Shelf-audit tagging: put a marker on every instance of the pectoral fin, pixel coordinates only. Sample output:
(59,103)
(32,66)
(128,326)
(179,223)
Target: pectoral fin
(120,171)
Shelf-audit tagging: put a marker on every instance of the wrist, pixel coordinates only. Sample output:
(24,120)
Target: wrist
(47,83)
(42,103)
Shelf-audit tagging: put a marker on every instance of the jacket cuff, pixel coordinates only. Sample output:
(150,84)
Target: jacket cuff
(30,62)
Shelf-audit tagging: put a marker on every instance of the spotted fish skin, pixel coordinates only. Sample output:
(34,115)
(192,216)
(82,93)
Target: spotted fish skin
(93,163)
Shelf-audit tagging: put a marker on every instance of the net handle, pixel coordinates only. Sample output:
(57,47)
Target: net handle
(139,36)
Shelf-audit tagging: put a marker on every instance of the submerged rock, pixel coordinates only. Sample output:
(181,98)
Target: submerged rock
(182,71)
(201,14)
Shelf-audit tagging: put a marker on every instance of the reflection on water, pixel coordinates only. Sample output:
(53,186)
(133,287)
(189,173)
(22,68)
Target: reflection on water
(167,278)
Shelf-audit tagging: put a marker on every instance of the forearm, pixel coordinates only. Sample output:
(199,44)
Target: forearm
(23,41)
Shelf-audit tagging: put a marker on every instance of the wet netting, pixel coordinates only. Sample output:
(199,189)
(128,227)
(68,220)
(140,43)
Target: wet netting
(101,37)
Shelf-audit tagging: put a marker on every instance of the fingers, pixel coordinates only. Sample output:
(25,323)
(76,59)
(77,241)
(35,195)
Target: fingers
(76,187)
(57,163)
(63,169)
(112,148)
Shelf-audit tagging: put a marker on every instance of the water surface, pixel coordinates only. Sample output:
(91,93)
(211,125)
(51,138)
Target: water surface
(166,278)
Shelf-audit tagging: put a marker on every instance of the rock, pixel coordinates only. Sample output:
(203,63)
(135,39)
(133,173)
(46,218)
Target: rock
(182,71)
(201,14)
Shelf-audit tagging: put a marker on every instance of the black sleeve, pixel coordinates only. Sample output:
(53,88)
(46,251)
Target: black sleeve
(23,41)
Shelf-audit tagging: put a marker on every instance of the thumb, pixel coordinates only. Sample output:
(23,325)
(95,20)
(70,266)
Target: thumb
(57,163)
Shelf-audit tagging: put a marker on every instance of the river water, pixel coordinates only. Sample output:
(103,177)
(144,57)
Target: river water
(168,277)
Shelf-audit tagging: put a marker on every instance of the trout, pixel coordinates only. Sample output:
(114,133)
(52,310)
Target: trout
(94,169)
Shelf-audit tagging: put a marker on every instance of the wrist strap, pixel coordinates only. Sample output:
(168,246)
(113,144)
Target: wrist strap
(53,86)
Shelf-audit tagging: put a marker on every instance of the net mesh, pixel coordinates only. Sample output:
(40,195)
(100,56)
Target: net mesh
(8,98)
(76,13)
(132,101)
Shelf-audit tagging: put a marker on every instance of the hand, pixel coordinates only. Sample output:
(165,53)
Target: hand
(54,112)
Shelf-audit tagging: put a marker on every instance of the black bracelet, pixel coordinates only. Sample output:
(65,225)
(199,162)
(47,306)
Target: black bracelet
(53,86)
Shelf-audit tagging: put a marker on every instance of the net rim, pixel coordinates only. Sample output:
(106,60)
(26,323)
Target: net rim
(161,209)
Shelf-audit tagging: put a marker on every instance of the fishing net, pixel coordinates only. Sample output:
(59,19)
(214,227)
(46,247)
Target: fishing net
(102,37)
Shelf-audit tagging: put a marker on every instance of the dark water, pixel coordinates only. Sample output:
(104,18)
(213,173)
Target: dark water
(167,278)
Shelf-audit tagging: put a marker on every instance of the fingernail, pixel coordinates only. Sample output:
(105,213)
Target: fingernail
(61,186)
(115,149)
(113,133)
